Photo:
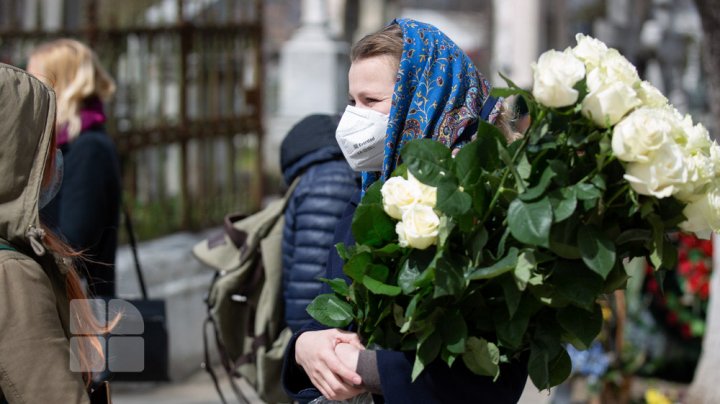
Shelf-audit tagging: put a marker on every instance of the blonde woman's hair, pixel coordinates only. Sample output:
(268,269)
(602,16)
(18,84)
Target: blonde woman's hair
(74,72)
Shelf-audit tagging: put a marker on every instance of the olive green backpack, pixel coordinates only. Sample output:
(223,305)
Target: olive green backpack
(245,302)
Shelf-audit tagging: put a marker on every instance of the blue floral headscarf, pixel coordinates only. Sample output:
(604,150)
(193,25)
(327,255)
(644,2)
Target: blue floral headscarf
(439,93)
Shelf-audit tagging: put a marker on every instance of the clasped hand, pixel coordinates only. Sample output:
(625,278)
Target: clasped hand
(329,358)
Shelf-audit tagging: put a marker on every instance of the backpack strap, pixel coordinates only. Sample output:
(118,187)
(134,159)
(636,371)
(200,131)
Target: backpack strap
(6,247)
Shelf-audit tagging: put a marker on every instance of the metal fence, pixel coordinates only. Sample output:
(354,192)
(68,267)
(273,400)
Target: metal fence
(187,116)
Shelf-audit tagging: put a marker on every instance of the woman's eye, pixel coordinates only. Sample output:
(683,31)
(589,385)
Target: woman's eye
(372,100)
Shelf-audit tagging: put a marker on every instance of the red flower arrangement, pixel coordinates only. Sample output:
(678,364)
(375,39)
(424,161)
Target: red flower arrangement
(685,296)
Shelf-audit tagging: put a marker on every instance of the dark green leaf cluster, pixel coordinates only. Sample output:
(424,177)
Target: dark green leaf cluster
(532,234)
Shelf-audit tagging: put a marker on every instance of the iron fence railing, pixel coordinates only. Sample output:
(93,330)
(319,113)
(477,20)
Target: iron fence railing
(187,115)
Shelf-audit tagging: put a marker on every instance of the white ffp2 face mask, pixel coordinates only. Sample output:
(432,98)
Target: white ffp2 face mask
(361,136)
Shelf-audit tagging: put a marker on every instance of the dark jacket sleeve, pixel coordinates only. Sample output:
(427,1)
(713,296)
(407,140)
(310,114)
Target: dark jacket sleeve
(90,190)
(294,380)
(310,219)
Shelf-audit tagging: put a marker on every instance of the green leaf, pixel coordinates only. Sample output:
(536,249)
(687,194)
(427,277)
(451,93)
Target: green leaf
(491,142)
(617,279)
(560,368)
(549,363)
(329,310)
(598,252)
(511,293)
(563,202)
(585,191)
(429,161)
(477,243)
(449,277)
(380,288)
(563,239)
(504,92)
(412,270)
(370,224)
(445,229)
(454,332)
(451,200)
(480,198)
(524,168)
(538,190)
(516,90)
(508,263)
(576,283)
(530,222)
(467,169)
(448,357)
(338,285)
(410,313)
(378,272)
(524,269)
(388,250)
(584,326)
(482,357)
(512,330)
(631,235)
(428,350)
(357,265)
(342,251)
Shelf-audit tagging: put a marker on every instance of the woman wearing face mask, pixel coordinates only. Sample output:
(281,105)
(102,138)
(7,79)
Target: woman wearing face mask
(407,81)
(87,209)
(37,280)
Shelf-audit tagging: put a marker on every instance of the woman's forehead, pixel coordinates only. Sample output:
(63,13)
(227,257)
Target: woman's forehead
(372,74)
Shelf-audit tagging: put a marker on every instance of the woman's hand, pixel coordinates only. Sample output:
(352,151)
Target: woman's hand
(333,376)
(348,354)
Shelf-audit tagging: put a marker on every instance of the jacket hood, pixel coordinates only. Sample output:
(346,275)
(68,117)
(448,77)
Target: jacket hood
(310,141)
(27,110)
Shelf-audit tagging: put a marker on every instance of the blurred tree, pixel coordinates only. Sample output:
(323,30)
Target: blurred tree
(705,388)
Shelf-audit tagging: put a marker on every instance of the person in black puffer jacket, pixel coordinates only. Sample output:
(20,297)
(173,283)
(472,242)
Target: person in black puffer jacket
(318,201)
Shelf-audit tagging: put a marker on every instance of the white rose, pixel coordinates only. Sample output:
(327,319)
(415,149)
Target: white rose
(616,67)
(609,103)
(400,230)
(555,74)
(662,175)
(703,215)
(398,195)
(420,227)
(428,194)
(637,136)
(715,158)
(650,96)
(589,50)
(701,171)
(698,140)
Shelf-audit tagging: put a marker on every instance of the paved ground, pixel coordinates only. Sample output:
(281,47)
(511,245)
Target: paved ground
(199,389)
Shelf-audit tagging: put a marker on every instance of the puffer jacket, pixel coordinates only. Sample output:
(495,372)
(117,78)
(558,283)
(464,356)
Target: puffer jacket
(327,184)
(34,309)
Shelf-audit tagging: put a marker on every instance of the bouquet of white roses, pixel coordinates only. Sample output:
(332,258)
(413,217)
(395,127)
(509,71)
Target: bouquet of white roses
(504,249)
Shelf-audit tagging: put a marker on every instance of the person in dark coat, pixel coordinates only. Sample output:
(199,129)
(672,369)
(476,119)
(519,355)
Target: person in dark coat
(86,211)
(326,184)
(407,81)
